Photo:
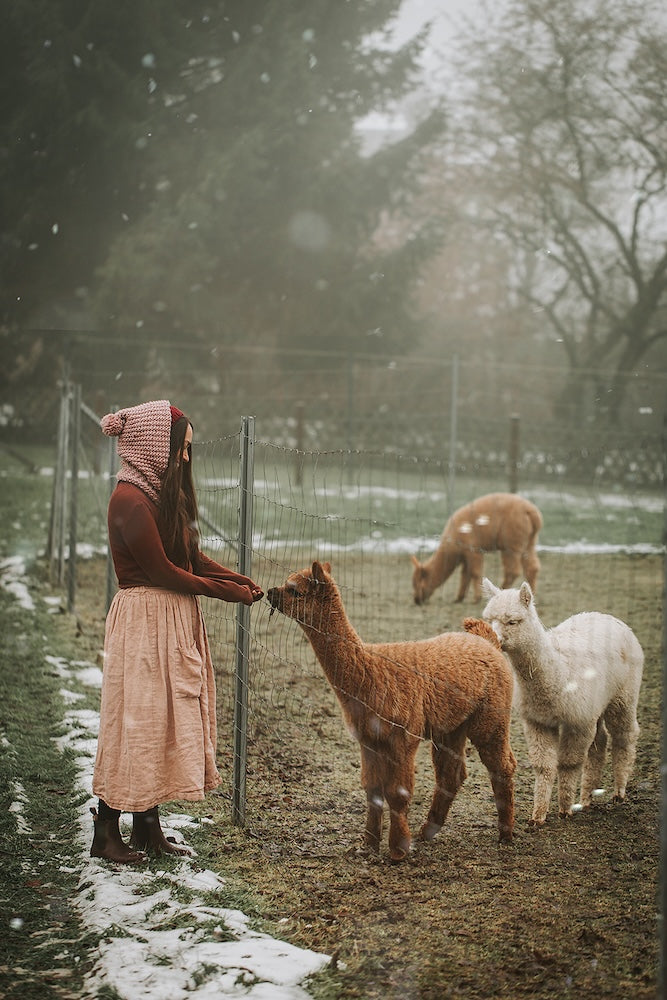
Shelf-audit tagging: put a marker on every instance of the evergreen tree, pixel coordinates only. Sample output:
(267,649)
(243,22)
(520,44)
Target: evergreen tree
(265,212)
(79,113)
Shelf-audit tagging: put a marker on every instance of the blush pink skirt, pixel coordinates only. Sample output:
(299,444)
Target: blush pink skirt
(157,738)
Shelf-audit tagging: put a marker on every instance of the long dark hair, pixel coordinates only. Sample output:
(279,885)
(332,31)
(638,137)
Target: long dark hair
(178,514)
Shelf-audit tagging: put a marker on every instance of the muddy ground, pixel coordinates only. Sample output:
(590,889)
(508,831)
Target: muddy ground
(567,910)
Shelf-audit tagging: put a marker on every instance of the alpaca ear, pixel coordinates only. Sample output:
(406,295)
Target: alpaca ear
(525,594)
(415,562)
(326,566)
(489,589)
(318,571)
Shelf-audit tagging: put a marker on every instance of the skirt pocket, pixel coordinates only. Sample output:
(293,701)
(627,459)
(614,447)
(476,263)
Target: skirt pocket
(189,675)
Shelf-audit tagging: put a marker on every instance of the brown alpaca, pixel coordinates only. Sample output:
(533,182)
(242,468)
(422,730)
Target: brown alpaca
(502,522)
(447,689)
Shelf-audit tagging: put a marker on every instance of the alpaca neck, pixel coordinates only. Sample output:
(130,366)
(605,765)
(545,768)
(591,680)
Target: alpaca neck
(537,660)
(338,647)
(442,563)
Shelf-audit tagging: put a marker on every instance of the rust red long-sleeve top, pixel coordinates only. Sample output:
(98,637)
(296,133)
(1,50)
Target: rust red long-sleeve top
(140,559)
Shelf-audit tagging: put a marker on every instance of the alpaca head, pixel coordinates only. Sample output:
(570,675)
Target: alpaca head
(305,595)
(428,576)
(421,583)
(511,614)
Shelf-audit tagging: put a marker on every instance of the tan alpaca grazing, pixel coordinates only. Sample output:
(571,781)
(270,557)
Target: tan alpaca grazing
(497,522)
(446,689)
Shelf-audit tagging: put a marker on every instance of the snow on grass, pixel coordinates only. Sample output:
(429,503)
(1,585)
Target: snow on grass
(12,579)
(17,806)
(153,943)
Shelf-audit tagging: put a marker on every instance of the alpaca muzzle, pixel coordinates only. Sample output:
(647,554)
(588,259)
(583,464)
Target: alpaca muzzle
(274,597)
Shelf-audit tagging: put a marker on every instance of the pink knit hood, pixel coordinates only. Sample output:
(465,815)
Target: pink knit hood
(143,434)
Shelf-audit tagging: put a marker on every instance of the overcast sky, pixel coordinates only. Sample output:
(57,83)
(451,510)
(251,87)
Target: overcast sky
(443,15)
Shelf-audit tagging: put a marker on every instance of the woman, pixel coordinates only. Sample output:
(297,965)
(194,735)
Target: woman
(157,738)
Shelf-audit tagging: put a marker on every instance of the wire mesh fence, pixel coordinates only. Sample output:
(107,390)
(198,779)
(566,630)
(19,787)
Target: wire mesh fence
(454,409)
(284,752)
(366,510)
(366,513)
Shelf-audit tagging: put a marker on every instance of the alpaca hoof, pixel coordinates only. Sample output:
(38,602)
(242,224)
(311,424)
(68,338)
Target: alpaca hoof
(535,824)
(400,847)
(429,830)
(396,856)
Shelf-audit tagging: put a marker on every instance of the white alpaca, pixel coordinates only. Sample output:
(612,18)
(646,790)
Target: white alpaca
(577,683)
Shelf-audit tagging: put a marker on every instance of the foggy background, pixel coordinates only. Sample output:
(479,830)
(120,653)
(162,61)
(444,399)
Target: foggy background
(340,218)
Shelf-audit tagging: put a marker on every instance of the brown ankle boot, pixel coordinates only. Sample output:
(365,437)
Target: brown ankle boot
(147,834)
(108,843)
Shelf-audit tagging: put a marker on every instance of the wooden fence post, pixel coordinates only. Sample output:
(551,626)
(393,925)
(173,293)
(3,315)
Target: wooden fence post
(300,446)
(453,432)
(513,459)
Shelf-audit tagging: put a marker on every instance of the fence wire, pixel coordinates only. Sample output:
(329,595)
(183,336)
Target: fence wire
(367,512)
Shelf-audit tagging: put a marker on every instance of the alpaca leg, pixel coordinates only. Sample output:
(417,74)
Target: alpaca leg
(476,570)
(511,567)
(373,831)
(543,751)
(500,762)
(398,791)
(594,764)
(449,766)
(624,730)
(372,783)
(464,581)
(531,568)
(571,755)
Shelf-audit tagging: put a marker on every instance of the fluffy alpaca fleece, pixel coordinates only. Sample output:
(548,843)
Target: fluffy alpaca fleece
(446,689)
(576,684)
(502,522)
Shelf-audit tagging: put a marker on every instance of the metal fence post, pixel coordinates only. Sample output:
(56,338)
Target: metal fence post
(247,459)
(662,908)
(58,499)
(75,442)
(113,469)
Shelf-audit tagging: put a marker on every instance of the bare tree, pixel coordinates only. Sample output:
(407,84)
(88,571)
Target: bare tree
(564,124)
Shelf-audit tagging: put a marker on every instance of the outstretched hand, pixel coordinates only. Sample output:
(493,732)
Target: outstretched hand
(257,594)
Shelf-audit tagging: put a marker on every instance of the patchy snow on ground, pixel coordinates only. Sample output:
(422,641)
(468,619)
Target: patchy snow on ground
(163,935)
(12,579)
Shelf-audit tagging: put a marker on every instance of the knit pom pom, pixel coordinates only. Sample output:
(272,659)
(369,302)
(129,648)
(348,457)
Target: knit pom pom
(112,424)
